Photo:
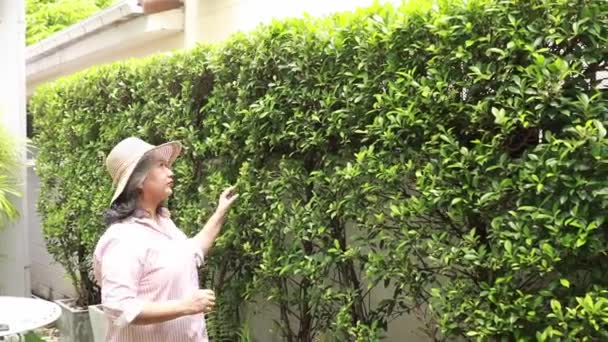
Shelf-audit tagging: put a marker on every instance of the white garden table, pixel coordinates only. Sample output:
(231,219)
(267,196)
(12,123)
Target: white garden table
(23,314)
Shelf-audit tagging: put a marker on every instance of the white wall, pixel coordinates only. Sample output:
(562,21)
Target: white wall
(214,20)
(14,264)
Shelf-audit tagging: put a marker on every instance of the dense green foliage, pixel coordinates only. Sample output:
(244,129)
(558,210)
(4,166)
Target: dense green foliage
(45,17)
(449,158)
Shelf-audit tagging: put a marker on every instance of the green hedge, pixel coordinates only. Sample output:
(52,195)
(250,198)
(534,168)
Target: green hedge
(450,159)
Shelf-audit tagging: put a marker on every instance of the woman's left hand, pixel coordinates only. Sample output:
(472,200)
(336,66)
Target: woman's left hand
(227,198)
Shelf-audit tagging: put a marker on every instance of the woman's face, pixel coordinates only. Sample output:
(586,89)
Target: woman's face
(158,184)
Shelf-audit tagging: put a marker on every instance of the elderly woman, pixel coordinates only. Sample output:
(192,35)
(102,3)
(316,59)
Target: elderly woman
(147,267)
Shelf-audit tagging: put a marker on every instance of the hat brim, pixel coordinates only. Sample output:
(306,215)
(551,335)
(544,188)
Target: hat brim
(167,152)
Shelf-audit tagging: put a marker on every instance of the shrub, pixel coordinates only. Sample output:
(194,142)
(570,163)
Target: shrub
(450,158)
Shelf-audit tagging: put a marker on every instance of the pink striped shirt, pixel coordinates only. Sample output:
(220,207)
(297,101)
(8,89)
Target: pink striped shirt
(139,260)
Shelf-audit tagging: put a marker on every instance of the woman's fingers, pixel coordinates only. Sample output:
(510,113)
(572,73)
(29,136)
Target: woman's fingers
(229,192)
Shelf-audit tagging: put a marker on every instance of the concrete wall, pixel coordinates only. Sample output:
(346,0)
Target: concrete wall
(48,278)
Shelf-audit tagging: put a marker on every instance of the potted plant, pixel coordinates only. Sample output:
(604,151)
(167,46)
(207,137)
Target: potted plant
(99,323)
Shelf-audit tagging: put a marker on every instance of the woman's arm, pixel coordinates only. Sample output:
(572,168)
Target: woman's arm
(158,312)
(211,229)
(151,312)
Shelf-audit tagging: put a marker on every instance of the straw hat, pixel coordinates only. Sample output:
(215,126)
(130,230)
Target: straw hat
(125,156)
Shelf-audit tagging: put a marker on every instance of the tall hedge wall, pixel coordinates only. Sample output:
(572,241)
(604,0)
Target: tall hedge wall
(452,156)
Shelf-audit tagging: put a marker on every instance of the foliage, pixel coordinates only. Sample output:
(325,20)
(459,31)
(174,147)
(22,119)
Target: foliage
(45,17)
(9,162)
(449,158)
(33,337)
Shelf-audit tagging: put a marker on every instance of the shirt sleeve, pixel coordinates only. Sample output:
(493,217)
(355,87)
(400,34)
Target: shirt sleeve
(121,269)
(197,251)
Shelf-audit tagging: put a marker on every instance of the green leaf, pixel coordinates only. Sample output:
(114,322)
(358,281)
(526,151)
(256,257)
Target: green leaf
(33,337)
(499,115)
(508,246)
(548,249)
(601,129)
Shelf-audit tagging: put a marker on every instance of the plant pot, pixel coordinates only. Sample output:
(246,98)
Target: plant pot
(74,324)
(99,323)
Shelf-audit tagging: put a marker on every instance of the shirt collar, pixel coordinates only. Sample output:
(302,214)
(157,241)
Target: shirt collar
(142,214)
(144,218)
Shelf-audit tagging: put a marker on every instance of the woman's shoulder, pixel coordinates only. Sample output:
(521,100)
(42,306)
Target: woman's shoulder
(117,232)
(118,235)
(122,228)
